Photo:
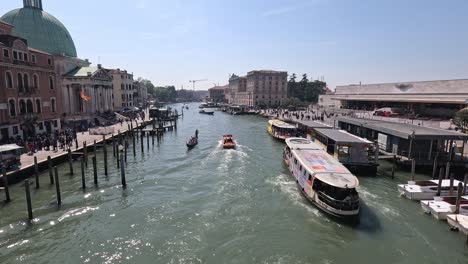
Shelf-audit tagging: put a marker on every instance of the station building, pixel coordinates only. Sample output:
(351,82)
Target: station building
(427,98)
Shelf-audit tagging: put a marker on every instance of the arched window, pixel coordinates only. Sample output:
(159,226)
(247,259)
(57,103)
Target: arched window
(12,107)
(51,82)
(26,81)
(52,105)
(35,81)
(22,107)
(29,106)
(9,80)
(38,106)
(20,83)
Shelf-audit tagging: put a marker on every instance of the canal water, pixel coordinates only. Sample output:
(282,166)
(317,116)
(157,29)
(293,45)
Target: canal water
(209,205)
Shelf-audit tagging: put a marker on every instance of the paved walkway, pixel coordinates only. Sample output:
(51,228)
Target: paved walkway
(28,160)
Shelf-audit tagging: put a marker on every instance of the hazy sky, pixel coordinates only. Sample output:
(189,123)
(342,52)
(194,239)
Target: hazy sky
(347,41)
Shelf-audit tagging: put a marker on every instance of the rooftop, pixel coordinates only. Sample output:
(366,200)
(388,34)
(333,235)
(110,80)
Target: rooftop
(341,136)
(405,130)
(313,124)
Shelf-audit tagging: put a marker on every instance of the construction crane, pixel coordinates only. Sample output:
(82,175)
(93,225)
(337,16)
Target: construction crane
(195,81)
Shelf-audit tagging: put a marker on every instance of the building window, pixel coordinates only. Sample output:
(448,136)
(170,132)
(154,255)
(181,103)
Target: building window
(29,106)
(33,58)
(20,83)
(15,55)
(15,130)
(9,80)
(26,81)
(51,82)
(35,81)
(121,86)
(49,61)
(52,105)
(20,55)
(38,106)
(55,123)
(22,107)
(26,57)
(12,106)
(6,53)
(41,126)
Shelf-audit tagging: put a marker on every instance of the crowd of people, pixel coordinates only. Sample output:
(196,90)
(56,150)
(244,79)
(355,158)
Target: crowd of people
(63,139)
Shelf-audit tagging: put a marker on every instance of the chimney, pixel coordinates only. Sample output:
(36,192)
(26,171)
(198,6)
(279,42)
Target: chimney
(99,66)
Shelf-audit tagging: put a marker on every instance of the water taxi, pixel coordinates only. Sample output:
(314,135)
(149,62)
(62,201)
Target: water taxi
(325,182)
(352,151)
(228,142)
(280,129)
(10,156)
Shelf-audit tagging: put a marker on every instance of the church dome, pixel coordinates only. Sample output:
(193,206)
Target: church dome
(42,30)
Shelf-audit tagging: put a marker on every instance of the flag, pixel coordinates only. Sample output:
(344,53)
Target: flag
(84,96)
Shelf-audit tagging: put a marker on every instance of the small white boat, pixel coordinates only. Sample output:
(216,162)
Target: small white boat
(426,190)
(207,111)
(459,222)
(440,207)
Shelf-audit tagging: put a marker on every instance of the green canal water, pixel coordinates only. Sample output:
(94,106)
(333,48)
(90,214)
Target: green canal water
(209,205)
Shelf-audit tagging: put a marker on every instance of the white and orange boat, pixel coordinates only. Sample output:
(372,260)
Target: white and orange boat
(228,142)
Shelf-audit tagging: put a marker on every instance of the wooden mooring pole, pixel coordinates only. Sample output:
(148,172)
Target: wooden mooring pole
(434,167)
(452,179)
(28,199)
(83,175)
(441,177)
(57,186)
(95,171)
(85,153)
(105,154)
(51,172)
(122,172)
(5,185)
(113,145)
(465,182)
(142,144)
(447,171)
(36,172)
(413,168)
(134,145)
(70,161)
(459,197)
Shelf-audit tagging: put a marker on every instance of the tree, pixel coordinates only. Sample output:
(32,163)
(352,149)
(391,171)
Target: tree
(461,119)
(292,86)
(305,90)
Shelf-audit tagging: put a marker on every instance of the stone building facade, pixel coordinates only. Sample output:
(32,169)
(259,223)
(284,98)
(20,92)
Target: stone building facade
(141,94)
(123,89)
(217,94)
(263,88)
(28,89)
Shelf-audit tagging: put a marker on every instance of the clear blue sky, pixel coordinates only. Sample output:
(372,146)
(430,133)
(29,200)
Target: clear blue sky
(347,41)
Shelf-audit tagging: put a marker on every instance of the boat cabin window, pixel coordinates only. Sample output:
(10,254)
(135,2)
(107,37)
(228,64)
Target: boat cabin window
(343,151)
(310,177)
(300,168)
(305,172)
(335,192)
(295,161)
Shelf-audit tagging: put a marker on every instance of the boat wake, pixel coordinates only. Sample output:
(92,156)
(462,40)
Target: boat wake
(286,185)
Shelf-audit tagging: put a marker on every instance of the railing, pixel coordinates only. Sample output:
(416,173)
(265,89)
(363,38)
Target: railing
(337,204)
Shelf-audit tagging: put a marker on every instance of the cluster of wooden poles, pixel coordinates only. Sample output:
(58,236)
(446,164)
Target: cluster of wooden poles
(120,147)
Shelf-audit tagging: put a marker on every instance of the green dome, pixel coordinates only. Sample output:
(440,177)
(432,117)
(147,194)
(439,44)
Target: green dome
(42,31)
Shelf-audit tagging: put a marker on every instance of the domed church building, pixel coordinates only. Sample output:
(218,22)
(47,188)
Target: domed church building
(84,91)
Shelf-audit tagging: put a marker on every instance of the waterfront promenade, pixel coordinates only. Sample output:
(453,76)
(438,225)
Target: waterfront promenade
(27,160)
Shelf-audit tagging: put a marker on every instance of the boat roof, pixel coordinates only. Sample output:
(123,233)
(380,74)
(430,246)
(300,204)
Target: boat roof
(340,180)
(302,143)
(9,147)
(281,124)
(313,124)
(341,136)
(326,168)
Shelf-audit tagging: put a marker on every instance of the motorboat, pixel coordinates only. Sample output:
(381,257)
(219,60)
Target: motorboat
(458,222)
(440,207)
(322,179)
(207,111)
(427,189)
(228,142)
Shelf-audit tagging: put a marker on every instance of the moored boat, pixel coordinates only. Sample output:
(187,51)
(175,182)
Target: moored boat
(325,182)
(228,142)
(207,111)
(440,207)
(280,129)
(427,189)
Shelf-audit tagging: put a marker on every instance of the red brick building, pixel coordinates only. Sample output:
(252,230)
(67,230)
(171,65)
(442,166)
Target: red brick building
(28,89)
